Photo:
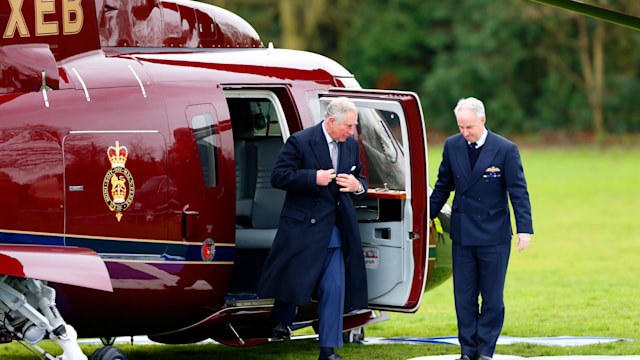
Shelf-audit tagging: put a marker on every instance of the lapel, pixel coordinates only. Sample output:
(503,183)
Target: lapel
(461,156)
(342,148)
(321,149)
(488,153)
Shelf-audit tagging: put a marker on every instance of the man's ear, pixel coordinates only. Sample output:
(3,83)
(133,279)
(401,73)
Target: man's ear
(332,122)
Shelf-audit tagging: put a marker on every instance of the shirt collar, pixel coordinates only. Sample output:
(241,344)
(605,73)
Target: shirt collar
(482,139)
(326,135)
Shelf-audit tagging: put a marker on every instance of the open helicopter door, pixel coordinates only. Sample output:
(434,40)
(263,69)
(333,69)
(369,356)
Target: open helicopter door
(393,218)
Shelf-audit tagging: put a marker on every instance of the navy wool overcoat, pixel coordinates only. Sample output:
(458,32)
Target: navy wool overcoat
(294,264)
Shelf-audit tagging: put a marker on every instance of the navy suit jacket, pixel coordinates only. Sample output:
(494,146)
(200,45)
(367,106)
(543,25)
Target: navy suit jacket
(309,213)
(480,212)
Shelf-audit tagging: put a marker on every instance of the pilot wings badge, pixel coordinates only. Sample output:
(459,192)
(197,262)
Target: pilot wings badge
(492,172)
(118,186)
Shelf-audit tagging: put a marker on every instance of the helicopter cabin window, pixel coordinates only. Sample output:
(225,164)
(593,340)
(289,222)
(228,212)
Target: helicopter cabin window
(206,136)
(383,148)
(263,118)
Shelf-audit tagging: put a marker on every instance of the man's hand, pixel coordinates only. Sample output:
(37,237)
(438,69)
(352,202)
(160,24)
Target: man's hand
(325,177)
(523,241)
(348,183)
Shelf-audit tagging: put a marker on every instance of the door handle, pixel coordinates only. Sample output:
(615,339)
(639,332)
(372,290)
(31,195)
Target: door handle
(190,223)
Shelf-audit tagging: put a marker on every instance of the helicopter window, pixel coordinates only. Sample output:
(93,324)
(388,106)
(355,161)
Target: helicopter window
(265,121)
(206,137)
(171,20)
(383,150)
(253,118)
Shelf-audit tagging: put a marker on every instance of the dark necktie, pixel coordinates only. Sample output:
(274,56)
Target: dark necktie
(473,154)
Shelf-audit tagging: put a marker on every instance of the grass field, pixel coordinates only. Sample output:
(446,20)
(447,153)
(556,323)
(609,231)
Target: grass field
(579,277)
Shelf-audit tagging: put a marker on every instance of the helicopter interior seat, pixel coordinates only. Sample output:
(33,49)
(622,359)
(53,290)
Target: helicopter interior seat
(267,201)
(245,157)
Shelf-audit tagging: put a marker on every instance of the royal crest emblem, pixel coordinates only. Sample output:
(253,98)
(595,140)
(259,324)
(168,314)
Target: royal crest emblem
(118,186)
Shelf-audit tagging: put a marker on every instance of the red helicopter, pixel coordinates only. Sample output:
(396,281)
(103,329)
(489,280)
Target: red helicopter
(136,146)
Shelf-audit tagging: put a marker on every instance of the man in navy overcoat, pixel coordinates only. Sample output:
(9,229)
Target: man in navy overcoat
(485,171)
(317,249)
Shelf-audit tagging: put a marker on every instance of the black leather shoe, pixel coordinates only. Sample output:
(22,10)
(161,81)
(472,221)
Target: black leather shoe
(464,357)
(333,356)
(484,357)
(281,332)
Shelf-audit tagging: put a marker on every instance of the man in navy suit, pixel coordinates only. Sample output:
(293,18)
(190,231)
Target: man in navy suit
(485,171)
(317,249)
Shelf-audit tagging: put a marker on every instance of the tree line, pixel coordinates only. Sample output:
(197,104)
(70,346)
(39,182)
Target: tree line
(537,68)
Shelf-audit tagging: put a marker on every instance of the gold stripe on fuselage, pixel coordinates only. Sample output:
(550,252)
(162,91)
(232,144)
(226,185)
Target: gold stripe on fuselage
(107,238)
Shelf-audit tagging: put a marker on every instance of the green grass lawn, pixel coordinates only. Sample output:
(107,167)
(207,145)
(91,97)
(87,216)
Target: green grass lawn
(579,277)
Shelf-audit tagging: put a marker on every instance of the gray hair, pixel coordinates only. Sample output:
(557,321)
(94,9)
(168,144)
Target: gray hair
(338,108)
(476,106)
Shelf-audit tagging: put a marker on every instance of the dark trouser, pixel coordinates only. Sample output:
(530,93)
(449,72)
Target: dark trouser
(331,290)
(479,270)
(331,299)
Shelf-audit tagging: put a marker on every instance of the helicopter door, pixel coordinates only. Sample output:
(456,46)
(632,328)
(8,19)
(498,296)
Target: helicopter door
(116,189)
(393,218)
